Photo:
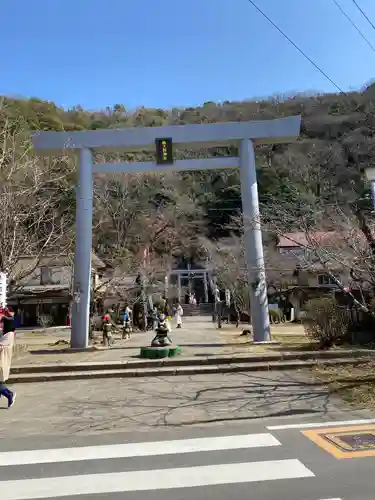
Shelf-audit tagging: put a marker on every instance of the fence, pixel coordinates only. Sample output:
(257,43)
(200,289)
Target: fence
(361,322)
(356,316)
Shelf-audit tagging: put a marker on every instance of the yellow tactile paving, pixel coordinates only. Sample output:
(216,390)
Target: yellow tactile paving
(345,442)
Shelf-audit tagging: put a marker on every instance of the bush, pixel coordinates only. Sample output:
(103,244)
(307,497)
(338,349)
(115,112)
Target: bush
(325,321)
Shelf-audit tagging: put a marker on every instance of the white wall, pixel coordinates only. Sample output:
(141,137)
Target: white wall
(59,276)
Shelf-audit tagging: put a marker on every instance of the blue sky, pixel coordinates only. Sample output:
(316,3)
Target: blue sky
(164,53)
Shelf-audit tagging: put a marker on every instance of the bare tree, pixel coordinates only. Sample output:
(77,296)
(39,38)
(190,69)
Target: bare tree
(142,224)
(335,246)
(227,259)
(33,223)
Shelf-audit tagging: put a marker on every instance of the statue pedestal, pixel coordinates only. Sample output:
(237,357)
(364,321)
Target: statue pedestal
(158,352)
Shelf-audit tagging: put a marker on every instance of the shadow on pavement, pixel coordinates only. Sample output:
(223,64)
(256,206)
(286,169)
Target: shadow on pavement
(169,402)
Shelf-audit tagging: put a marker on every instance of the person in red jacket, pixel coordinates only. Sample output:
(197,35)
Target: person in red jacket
(107,329)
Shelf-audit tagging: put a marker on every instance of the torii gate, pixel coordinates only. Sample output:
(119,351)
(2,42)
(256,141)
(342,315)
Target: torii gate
(164,139)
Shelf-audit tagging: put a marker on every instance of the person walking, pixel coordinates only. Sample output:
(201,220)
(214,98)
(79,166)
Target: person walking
(178,313)
(129,312)
(126,324)
(6,350)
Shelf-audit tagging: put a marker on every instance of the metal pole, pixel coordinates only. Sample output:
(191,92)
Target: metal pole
(373,194)
(217,298)
(205,284)
(253,244)
(166,286)
(189,280)
(3,289)
(82,266)
(179,287)
(144,303)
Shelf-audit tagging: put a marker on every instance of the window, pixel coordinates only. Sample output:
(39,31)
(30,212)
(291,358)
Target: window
(325,279)
(46,276)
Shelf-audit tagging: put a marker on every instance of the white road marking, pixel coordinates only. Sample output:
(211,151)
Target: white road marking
(321,424)
(127,450)
(144,480)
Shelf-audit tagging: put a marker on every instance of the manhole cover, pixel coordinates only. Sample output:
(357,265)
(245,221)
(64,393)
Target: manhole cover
(345,442)
(353,441)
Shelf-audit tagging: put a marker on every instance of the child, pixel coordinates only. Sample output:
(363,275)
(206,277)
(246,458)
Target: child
(126,324)
(107,329)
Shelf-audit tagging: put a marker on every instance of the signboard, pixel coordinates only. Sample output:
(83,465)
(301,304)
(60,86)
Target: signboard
(3,289)
(164,151)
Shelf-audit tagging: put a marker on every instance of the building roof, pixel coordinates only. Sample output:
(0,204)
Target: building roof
(302,239)
(59,259)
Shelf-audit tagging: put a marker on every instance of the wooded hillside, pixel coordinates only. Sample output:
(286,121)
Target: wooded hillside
(169,213)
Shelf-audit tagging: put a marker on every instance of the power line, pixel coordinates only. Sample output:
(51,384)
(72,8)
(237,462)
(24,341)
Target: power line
(364,14)
(308,58)
(354,25)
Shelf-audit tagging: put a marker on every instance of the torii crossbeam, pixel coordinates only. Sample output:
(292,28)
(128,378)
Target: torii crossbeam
(163,139)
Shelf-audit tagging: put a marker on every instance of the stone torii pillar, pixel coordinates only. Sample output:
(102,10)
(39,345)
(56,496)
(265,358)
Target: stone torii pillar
(162,140)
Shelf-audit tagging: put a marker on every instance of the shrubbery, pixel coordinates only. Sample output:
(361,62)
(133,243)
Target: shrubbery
(325,321)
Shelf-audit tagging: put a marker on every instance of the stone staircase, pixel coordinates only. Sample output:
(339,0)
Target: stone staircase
(204,309)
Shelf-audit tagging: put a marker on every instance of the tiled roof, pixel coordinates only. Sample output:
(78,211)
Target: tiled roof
(301,239)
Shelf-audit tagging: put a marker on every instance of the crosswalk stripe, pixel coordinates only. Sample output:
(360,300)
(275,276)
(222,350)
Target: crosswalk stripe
(321,424)
(184,477)
(127,450)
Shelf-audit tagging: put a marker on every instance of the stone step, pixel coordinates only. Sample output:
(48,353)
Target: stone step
(92,366)
(185,370)
(203,309)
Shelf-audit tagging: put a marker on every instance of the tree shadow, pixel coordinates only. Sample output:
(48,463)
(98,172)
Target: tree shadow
(166,403)
(69,350)
(66,350)
(217,344)
(303,347)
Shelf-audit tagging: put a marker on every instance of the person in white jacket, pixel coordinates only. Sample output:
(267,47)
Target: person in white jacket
(178,315)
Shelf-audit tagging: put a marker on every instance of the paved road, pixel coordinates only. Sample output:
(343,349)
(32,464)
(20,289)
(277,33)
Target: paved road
(256,462)
(250,462)
(79,407)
